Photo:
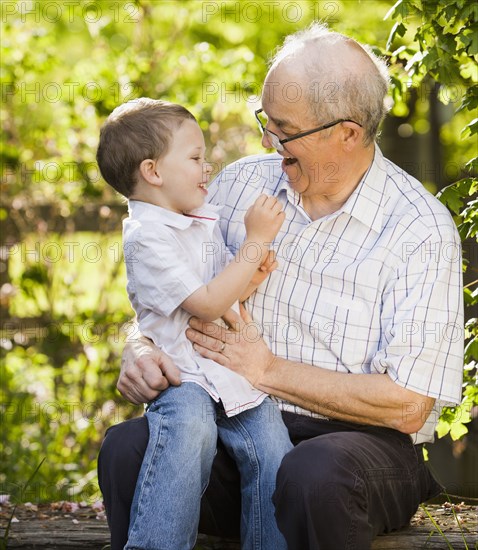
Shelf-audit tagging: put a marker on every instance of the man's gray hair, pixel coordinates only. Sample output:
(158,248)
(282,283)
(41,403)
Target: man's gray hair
(334,91)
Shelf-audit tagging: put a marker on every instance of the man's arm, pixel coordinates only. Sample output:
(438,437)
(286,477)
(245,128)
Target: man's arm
(361,398)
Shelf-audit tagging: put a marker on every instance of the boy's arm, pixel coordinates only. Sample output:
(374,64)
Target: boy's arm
(263,221)
(211,301)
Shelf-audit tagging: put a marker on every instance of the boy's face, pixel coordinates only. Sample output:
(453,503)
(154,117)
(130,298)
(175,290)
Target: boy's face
(183,169)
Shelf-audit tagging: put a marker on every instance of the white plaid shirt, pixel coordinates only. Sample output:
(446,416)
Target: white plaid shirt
(372,288)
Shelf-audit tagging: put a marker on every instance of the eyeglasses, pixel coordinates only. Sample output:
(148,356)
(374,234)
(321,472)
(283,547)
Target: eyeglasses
(278,143)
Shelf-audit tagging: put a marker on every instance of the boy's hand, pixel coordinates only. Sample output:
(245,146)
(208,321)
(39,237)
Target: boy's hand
(264,219)
(268,266)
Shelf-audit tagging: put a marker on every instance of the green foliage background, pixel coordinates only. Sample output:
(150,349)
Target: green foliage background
(65,315)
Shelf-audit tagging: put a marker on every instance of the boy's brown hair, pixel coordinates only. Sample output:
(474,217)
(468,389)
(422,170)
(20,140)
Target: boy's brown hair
(137,130)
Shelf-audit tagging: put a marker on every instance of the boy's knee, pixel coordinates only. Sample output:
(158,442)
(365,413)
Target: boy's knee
(197,430)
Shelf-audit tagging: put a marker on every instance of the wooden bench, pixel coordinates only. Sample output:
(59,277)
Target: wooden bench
(82,530)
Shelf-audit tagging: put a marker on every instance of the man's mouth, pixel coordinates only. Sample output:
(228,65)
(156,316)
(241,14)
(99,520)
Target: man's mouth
(289,160)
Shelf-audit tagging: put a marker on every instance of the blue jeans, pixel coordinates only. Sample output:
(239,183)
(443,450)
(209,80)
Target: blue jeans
(184,424)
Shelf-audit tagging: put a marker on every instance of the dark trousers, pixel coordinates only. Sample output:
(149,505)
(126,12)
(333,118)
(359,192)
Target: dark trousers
(339,487)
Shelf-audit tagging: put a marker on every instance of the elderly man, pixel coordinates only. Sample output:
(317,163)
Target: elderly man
(357,334)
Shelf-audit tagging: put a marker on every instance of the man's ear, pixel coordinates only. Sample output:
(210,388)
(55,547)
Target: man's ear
(149,172)
(351,135)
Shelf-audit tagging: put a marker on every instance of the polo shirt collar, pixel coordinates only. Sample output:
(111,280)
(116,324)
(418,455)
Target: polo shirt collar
(146,212)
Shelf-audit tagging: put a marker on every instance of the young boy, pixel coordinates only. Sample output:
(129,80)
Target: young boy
(177,265)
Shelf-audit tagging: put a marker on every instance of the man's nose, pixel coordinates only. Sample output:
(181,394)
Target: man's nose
(266,141)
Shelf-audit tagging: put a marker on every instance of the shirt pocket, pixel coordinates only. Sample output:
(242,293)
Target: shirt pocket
(342,317)
(352,329)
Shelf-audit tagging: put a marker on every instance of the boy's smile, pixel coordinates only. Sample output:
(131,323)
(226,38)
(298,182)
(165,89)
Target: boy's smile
(183,170)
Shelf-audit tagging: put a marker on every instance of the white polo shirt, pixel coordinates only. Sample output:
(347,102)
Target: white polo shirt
(375,287)
(169,256)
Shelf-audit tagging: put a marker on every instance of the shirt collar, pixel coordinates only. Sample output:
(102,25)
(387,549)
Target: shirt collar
(284,187)
(147,212)
(367,200)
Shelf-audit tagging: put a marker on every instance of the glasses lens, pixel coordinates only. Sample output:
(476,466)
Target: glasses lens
(273,138)
(262,118)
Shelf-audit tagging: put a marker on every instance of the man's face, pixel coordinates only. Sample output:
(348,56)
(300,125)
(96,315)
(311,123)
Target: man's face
(311,162)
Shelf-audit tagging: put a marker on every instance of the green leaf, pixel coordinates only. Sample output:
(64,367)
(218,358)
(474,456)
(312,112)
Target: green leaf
(472,165)
(468,12)
(471,349)
(425,453)
(400,9)
(470,101)
(473,47)
(447,43)
(397,29)
(442,428)
(458,430)
(468,298)
(448,72)
(430,59)
(470,129)
(452,196)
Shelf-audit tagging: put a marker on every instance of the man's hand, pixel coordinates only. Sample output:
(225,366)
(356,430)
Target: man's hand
(239,348)
(145,372)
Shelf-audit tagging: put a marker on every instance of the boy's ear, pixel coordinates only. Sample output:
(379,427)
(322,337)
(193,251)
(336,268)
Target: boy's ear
(149,172)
